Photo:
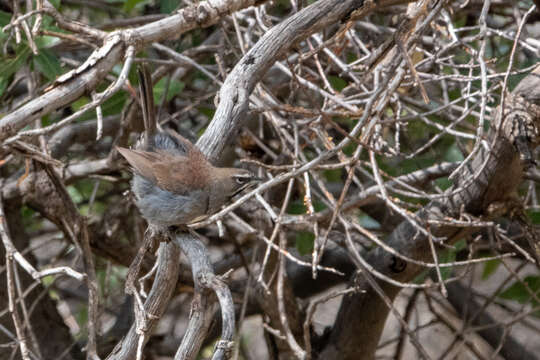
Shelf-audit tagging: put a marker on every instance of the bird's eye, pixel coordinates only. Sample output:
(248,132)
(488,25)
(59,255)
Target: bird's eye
(241,180)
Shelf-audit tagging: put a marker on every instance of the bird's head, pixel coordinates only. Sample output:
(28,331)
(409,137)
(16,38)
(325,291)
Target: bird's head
(232,181)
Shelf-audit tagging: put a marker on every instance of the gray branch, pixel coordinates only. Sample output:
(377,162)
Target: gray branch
(235,92)
(156,303)
(202,310)
(501,174)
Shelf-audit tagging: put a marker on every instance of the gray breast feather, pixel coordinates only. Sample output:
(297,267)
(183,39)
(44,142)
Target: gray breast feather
(162,207)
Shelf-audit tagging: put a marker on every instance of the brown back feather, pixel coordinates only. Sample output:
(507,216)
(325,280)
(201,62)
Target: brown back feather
(178,174)
(140,161)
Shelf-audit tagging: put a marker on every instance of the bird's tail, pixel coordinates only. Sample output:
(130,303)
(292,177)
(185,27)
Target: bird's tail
(147,104)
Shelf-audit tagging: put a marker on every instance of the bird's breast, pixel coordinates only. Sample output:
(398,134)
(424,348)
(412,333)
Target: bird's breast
(163,207)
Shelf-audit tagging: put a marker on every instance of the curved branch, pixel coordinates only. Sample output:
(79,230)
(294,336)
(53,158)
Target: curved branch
(87,77)
(497,182)
(206,282)
(239,85)
(156,303)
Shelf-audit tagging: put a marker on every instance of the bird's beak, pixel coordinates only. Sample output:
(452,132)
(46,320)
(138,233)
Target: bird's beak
(253,181)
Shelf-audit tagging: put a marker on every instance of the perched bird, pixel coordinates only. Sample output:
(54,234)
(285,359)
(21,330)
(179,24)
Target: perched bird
(173,182)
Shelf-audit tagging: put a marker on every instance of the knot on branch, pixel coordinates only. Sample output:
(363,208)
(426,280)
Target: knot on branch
(205,279)
(132,37)
(203,14)
(226,346)
(211,281)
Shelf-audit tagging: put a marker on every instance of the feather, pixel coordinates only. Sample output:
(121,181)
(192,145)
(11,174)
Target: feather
(170,172)
(140,162)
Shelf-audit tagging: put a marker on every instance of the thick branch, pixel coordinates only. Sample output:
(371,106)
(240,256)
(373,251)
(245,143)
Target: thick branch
(85,79)
(156,303)
(238,86)
(501,174)
(206,282)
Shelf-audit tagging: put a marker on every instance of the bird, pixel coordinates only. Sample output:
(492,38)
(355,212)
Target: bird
(173,182)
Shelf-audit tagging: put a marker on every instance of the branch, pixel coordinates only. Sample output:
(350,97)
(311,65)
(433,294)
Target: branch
(494,334)
(76,228)
(500,174)
(156,303)
(72,85)
(206,282)
(39,313)
(239,85)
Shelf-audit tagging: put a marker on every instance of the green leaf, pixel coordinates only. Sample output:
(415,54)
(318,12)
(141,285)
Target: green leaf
(111,106)
(168,6)
(27,212)
(130,4)
(114,104)
(490,267)
(175,88)
(54,295)
(3,85)
(534,216)
(47,280)
(208,112)
(318,206)
(518,292)
(86,187)
(304,241)
(333,175)
(460,245)
(337,83)
(368,222)
(443,183)
(420,278)
(453,154)
(349,149)
(444,258)
(74,194)
(450,256)
(45,42)
(296,207)
(55,3)
(4,19)
(80,102)
(81,316)
(48,64)
(10,66)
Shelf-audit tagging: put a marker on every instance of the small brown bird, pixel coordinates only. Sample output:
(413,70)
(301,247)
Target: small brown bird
(173,182)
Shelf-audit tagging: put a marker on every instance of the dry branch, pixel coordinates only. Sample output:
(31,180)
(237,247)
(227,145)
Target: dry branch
(496,184)
(289,71)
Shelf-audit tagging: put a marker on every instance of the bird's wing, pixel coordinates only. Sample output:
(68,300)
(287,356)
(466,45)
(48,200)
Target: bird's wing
(180,175)
(146,163)
(171,172)
(140,161)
